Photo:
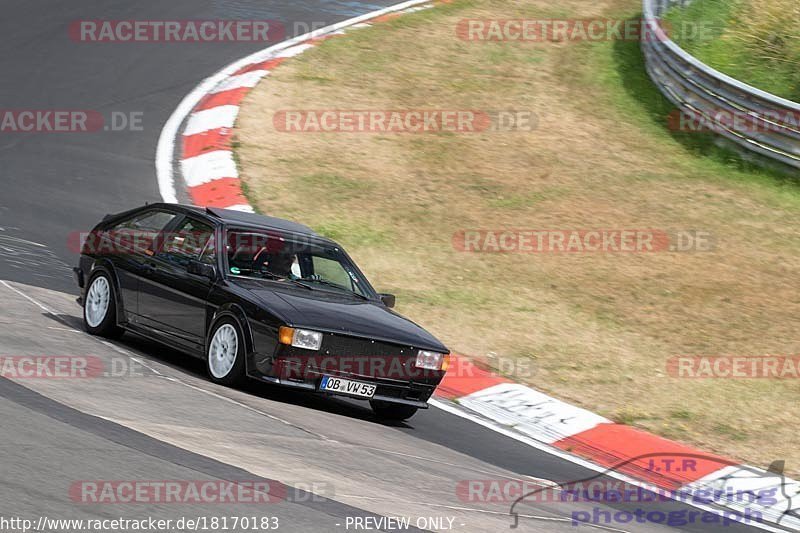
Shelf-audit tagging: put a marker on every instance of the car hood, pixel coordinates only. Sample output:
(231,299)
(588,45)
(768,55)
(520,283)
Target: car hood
(328,312)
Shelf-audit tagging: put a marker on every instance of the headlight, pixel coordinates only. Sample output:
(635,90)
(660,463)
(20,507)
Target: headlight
(432,360)
(300,338)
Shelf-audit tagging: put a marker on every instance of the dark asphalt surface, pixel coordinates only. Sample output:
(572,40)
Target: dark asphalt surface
(55,185)
(38,476)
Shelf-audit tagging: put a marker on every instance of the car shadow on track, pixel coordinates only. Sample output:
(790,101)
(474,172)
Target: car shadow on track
(195,367)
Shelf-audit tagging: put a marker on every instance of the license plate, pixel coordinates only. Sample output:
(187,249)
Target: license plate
(346,386)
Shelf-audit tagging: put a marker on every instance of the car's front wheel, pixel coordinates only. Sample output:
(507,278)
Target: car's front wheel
(225,353)
(392,411)
(100,308)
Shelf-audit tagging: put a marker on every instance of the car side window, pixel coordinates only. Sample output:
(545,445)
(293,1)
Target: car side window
(138,233)
(191,241)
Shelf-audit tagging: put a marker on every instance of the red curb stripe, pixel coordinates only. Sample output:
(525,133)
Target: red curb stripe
(207,141)
(464,378)
(264,65)
(615,445)
(223,192)
(229,97)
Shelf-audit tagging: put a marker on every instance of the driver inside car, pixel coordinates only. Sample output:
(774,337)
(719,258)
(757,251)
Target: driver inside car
(282,266)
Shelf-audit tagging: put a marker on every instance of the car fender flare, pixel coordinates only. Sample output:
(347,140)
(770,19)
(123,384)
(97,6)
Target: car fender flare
(105,266)
(231,310)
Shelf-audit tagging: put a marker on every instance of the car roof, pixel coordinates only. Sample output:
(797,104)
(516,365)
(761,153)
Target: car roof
(231,216)
(242,218)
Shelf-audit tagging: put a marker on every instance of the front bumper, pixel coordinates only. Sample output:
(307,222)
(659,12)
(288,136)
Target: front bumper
(389,367)
(406,394)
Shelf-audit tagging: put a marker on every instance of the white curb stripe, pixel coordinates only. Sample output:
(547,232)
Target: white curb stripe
(248,79)
(294,50)
(209,167)
(241,207)
(223,116)
(531,412)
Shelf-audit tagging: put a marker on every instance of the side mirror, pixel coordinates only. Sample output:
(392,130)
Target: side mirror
(202,269)
(387,299)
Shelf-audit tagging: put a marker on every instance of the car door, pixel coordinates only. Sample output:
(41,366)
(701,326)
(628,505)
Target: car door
(173,300)
(128,245)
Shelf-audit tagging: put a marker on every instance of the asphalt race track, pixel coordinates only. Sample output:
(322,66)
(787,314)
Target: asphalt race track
(159,418)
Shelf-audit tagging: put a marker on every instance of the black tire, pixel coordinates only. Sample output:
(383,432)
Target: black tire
(236,375)
(107,327)
(392,411)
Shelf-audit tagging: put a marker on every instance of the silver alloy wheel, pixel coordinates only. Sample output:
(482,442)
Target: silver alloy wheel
(97,300)
(223,350)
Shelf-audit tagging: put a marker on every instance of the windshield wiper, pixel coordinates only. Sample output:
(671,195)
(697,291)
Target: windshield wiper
(335,285)
(300,284)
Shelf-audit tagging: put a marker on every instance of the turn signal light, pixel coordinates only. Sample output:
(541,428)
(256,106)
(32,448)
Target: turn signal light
(285,335)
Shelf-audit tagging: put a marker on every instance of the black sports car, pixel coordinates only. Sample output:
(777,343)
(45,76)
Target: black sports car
(256,297)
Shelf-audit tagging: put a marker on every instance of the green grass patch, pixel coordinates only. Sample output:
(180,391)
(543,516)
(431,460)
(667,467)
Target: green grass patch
(755,41)
(447,297)
(619,66)
(333,186)
(353,234)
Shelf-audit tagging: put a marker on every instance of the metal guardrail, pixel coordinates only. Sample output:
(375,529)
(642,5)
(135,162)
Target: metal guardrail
(765,123)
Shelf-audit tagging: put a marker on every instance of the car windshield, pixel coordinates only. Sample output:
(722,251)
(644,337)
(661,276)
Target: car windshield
(282,258)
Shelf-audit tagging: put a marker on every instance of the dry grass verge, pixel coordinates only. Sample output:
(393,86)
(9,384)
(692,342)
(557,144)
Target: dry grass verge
(598,328)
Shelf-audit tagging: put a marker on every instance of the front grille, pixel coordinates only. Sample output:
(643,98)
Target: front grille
(351,356)
(357,358)
(343,345)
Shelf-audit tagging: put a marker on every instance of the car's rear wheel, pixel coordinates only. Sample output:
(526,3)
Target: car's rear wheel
(392,411)
(100,308)
(225,353)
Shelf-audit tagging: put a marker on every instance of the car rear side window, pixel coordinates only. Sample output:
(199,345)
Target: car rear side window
(191,241)
(138,233)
